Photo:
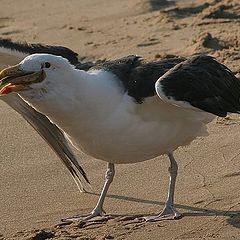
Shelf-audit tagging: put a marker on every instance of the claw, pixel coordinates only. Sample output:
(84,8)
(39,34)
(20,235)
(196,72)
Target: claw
(168,213)
(95,215)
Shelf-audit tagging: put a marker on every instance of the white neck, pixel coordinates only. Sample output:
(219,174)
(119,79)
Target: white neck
(82,99)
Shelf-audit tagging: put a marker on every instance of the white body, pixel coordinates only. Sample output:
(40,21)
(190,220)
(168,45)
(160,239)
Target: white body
(104,122)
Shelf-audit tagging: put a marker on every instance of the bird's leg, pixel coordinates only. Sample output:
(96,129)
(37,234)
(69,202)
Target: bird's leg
(98,211)
(169,212)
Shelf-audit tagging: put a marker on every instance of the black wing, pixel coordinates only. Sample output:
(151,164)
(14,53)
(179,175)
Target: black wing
(203,83)
(142,79)
(27,49)
(138,77)
(121,67)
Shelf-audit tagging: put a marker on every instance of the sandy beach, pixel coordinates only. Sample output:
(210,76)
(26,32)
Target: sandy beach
(36,189)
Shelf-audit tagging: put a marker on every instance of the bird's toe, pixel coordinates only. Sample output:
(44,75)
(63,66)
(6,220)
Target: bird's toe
(98,215)
(168,213)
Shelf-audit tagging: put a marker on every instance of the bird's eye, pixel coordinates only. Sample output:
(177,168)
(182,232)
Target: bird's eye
(47,65)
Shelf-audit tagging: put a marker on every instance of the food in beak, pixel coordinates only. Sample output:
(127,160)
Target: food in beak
(11,88)
(14,79)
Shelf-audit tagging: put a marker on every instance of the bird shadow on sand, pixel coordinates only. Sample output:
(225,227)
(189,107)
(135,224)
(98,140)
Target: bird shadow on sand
(232,217)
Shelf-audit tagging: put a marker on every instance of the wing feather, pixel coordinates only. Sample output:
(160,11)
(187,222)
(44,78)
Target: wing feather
(13,52)
(203,83)
(20,50)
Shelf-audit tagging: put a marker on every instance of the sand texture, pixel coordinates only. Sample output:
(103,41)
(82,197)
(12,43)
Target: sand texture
(37,191)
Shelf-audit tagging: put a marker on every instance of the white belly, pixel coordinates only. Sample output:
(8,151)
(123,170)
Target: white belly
(151,129)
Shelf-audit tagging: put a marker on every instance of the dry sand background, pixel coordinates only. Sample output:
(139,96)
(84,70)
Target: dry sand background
(36,191)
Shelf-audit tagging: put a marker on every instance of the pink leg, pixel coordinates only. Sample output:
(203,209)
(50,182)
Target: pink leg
(98,212)
(169,212)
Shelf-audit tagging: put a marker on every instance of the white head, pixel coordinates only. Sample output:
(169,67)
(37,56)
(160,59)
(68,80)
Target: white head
(48,62)
(36,75)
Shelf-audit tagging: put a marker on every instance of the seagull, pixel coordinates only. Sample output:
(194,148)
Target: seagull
(127,110)
(47,130)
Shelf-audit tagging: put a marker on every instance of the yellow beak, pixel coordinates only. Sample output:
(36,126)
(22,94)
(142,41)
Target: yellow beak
(14,79)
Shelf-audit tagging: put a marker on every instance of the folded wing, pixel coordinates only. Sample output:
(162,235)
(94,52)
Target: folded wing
(203,83)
